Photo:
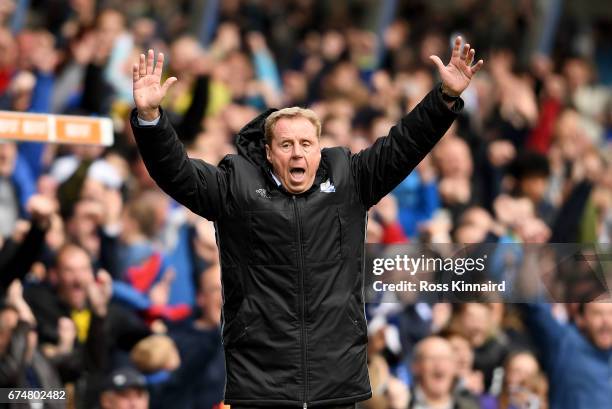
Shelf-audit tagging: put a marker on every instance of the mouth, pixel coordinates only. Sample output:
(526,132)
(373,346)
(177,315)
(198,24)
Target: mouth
(297,173)
(605,332)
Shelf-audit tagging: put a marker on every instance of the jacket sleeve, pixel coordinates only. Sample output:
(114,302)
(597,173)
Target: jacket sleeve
(545,330)
(194,183)
(381,167)
(18,263)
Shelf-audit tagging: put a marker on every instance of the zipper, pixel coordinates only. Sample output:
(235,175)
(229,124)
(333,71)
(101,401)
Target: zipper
(302,297)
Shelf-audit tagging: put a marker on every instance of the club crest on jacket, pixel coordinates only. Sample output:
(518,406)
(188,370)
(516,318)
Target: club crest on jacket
(328,187)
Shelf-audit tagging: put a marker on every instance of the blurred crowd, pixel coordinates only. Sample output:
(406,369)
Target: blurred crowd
(112,290)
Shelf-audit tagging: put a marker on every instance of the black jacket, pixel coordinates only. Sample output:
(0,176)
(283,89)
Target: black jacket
(294,328)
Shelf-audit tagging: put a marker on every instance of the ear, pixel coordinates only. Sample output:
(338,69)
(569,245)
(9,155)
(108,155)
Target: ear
(268,153)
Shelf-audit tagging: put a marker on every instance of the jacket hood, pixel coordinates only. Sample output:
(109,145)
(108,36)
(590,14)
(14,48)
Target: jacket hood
(251,140)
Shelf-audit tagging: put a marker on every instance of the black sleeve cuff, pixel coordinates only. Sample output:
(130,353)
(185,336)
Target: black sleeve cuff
(440,100)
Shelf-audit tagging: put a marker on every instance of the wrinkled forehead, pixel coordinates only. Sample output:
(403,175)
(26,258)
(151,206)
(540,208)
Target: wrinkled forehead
(297,127)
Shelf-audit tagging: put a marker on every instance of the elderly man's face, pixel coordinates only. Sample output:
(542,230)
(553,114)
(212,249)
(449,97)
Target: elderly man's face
(294,153)
(435,367)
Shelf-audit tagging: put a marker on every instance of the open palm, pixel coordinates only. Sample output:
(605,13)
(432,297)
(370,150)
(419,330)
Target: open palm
(147,87)
(456,76)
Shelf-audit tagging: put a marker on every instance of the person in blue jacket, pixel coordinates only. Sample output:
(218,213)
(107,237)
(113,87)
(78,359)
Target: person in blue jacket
(577,356)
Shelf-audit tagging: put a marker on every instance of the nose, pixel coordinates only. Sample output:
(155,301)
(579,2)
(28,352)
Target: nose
(297,151)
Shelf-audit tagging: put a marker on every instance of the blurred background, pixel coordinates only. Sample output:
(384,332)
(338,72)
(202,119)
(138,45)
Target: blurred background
(101,271)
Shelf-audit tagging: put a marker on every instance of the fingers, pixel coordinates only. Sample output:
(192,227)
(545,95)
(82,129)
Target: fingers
(142,67)
(457,46)
(470,57)
(465,52)
(150,66)
(167,84)
(150,60)
(436,60)
(477,67)
(104,277)
(135,72)
(159,65)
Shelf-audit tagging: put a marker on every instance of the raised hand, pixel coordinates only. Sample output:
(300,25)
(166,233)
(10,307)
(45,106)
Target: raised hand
(41,208)
(14,297)
(160,291)
(66,333)
(99,293)
(148,90)
(456,76)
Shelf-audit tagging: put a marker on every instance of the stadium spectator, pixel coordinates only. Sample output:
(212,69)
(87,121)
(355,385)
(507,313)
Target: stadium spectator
(575,356)
(72,309)
(476,323)
(125,388)
(524,384)
(468,378)
(199,382)
(22,365)
(435,371)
